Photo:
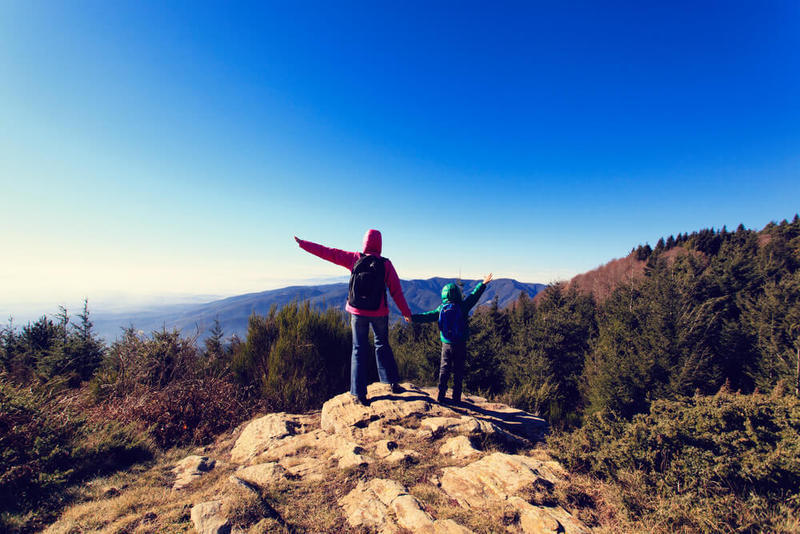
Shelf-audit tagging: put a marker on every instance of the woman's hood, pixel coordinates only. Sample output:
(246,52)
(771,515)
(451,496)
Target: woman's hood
(372,242)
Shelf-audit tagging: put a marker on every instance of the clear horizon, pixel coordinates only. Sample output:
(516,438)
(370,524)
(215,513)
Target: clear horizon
(149,150)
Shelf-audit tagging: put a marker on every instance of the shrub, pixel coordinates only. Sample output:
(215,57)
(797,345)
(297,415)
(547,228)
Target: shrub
(417,349)
(705,463)
(45,447)
(184,412)
(297,357)
(35,448)
(139,361)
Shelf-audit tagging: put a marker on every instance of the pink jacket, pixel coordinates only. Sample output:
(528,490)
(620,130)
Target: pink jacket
(372,245)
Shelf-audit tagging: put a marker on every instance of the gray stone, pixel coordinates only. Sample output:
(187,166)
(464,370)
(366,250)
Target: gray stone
(190,469)
(207,519)
(458,447)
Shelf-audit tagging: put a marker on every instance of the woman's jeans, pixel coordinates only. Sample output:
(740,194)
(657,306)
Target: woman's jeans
(387,367)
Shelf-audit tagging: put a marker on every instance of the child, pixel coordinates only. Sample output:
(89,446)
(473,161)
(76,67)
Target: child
(452,316)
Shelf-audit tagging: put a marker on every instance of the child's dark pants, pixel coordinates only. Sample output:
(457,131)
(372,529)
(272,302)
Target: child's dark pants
(453,356)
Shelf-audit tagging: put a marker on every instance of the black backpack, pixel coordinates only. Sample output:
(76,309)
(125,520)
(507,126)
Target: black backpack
(367,286)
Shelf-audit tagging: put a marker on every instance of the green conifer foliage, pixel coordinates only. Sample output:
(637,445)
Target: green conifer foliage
(297,357)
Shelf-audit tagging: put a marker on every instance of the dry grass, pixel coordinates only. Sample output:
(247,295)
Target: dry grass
(139,500)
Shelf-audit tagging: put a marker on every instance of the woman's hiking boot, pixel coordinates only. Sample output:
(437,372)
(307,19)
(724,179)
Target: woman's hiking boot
(397,388)
(362,400)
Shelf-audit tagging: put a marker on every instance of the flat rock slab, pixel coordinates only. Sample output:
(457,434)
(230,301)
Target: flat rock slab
(260,434)
(458,447)
(342,415)
(385,506)
(308,454)
(346,435)
(512,420)
(261,475)
(460,425)
(389,451)
(497,476)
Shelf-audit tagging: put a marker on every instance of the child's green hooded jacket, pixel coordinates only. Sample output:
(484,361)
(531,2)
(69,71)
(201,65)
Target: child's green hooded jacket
(451,293)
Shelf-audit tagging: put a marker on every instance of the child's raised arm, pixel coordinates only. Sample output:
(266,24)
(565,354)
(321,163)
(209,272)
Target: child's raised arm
(476,293)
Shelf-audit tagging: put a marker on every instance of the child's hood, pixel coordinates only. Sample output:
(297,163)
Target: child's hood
(451,293)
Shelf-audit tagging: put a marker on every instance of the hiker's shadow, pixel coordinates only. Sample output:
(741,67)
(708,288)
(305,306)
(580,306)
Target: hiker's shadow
(514,421)
(401,397)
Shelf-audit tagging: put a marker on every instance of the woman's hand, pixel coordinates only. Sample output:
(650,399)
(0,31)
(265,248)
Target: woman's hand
(487,279)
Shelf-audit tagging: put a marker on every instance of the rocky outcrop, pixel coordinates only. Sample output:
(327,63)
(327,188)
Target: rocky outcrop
(397,432)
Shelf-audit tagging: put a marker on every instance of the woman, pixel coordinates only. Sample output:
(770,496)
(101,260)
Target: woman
(371,274)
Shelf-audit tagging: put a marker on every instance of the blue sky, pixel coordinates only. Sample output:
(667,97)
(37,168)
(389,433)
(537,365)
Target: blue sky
(174,148)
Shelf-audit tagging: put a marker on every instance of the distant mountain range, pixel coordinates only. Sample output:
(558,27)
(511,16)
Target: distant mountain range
(233,312)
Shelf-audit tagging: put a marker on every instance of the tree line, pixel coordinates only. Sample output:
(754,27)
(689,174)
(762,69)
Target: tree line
(713,307)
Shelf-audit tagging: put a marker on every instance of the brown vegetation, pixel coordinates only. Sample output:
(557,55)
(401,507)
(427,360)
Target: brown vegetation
(602,281)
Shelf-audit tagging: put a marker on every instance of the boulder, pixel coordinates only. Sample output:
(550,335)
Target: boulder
(342,415)
(262,433)
(207,519)
(497,476)
(261,475)
(190,469)
(546,519)
(388,451)
(458,447)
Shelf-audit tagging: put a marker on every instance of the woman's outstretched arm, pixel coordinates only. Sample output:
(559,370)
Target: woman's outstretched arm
(334,255)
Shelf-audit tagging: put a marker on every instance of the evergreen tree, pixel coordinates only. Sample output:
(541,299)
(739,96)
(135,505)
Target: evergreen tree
(85,348)
(546,357)
(213,343)
(486,350)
